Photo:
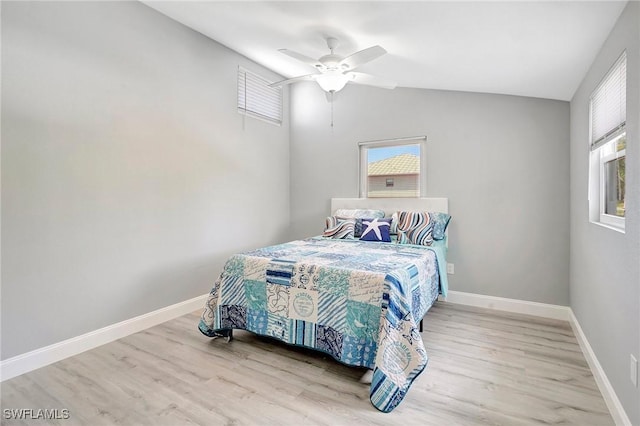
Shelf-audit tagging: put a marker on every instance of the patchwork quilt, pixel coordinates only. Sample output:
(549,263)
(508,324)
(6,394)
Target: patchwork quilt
(359,302)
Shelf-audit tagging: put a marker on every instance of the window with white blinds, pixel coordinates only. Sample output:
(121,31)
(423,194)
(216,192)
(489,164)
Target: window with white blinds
(257,99)
(609,105)
(607,164)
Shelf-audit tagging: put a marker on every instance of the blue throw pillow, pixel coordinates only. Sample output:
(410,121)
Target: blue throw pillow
(359,228)
(440,223)
(376,230)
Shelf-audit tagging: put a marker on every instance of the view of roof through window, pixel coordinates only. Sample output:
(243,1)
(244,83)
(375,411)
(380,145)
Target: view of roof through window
(393,171)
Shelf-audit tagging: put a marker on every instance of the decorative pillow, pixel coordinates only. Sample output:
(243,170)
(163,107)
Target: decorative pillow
(359,213)
(338,228)
(376,230)
(359,226)
(358,229)
(440,223)
(415,228)
(394,223)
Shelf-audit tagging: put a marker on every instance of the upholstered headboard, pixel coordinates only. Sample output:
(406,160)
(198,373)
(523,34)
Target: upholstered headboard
(392,205)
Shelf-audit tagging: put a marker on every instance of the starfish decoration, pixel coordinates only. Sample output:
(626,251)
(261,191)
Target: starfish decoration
(374,225)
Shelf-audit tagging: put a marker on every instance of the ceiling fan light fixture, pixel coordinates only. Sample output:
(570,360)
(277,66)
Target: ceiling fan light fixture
(332,82)
(335,71)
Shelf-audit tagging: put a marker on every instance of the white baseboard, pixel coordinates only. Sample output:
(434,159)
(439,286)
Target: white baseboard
(610,398)
(555,312)
(544,310)
(38,358)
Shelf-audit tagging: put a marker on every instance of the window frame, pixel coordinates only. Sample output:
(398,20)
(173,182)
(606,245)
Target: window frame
(363,148)
(262,85)
(603,159)
(597,188)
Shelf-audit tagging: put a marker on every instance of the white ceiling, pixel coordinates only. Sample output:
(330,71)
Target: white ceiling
(526,48)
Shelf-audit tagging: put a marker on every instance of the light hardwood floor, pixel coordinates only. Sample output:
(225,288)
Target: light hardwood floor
(485,367)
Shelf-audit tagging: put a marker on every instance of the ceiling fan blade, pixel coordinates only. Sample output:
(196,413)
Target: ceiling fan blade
(362,57)
(370,80)
(308,77)
(302,58)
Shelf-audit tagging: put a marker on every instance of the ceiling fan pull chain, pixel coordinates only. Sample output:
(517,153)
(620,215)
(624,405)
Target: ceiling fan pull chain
(331,109)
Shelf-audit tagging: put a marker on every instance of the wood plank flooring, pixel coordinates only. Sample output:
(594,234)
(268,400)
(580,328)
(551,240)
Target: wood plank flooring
(485,367)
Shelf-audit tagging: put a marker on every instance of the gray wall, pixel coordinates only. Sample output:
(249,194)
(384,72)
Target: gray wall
(605,264)
(124,159)
(128,177)
(501,160)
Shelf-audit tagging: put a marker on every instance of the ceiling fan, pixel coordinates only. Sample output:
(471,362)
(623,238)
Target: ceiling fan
(335,71)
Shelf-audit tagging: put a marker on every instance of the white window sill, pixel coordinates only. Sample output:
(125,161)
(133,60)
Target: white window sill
(605,225)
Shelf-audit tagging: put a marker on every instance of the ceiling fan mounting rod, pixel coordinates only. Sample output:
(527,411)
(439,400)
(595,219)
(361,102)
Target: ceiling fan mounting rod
(332,43)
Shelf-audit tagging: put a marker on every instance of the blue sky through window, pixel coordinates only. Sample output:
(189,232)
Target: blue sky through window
(377,154)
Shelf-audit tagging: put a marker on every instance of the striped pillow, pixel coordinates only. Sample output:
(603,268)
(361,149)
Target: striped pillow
(415,228)
(339,228)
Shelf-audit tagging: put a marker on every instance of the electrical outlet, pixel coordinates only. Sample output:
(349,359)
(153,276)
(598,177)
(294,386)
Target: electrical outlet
(450,269)
(633,370)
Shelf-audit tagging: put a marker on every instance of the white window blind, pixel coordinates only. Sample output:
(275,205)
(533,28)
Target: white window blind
(257,99)
(609,105)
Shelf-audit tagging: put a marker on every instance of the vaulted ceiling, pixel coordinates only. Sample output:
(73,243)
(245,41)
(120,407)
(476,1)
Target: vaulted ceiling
(529,48)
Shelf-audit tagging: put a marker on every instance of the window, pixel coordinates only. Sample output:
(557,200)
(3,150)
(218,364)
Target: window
(256,99)
(608,110)
(392,168)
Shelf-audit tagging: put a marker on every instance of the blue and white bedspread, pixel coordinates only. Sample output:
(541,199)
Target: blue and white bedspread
(359,302)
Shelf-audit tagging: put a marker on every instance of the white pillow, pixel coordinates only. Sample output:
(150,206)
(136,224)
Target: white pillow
(360,213)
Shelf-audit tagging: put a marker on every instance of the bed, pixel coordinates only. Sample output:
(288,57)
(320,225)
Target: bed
(358,301)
